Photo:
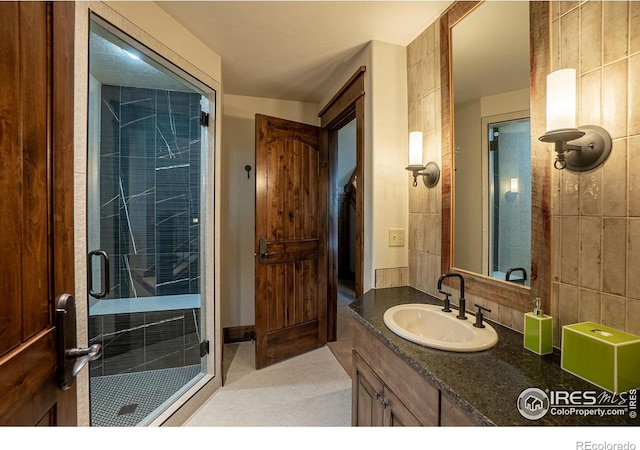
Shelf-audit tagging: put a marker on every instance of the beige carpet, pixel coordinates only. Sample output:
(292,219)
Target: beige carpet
(311,390)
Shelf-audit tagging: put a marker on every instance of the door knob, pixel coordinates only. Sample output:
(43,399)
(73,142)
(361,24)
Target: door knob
(71,359)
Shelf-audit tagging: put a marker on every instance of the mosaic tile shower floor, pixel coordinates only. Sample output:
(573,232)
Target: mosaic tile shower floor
(124,400)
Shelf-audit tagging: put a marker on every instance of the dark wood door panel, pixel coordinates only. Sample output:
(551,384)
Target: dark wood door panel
(291,235)
(36,224)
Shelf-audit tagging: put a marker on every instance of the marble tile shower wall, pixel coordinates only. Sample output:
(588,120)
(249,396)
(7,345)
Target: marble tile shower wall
(150,190)
(145,341)
(596,214)
(150,162)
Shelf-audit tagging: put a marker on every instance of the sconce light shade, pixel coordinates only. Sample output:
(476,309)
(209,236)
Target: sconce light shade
(431,173)
(561,99)
(514,185)
(578,149)
(415,150)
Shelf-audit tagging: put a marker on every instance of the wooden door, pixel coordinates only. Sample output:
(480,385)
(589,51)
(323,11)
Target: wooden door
(36,213)
(291,236)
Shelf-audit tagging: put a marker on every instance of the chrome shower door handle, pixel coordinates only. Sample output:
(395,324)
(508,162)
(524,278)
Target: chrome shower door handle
(71,359)
(105,279)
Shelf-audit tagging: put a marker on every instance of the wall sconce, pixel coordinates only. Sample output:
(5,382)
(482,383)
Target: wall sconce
(579,149)
(512,195)
(430,172)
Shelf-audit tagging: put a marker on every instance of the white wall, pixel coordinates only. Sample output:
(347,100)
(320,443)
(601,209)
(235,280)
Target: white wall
(238,197)
(385,151)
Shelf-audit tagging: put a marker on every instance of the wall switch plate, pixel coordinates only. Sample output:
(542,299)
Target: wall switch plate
(396,237)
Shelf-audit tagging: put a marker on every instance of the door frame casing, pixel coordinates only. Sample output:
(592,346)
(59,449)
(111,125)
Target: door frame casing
(345,106)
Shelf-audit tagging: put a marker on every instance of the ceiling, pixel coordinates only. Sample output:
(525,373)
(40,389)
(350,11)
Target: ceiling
(289,50)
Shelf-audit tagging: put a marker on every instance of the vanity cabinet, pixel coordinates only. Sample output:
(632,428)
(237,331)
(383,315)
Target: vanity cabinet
(386,391)
(374,404)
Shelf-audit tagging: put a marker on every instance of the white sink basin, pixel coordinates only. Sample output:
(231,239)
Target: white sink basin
(428,325)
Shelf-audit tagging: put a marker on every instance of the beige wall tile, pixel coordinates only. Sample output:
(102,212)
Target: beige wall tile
(570,251)
(570,193)
(634,177)
(505,317)
(556,249)
(555,312)
(414,275)
(556,191)
(569,39)
(634,95)
(633,312)
(633,255)
(614,256)
(591,193)
(413,83)
(591,43)
(517,321)
(590,107)
(634,29)
(566,6)
(614,175)
(433,265)
(614,99)
(589,306)
(430,69)
(616,28)
(555,44)
(590,252)
(569,306)
(614,311)
(416,232)
(433,227)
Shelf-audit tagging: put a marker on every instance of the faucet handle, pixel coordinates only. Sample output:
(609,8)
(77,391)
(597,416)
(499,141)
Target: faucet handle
(479,316)
(446,301)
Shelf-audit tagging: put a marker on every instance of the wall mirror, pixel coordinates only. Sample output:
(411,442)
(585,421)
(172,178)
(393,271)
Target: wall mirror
(496,228)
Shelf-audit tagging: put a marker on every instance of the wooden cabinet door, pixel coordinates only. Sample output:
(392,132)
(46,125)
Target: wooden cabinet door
(291,239)
(36,207)
(367,395)
(396,414)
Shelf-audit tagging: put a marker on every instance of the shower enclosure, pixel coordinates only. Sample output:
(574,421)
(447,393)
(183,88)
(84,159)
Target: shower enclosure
(147,155)
(510,200)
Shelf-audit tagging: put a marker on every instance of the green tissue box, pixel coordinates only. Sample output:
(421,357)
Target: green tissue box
(604,356)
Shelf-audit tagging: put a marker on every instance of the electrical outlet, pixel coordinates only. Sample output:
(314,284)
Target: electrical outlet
(396,237)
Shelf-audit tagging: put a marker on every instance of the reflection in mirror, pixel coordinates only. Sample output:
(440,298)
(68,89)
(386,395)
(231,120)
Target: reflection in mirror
(492,142)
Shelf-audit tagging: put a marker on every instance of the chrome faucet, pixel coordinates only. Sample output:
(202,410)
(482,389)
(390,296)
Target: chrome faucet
(462,303)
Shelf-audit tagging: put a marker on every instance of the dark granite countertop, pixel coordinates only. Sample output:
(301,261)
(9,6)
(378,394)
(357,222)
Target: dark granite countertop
(486,384)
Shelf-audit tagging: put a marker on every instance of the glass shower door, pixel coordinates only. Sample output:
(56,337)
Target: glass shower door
(146,160)
(510,200)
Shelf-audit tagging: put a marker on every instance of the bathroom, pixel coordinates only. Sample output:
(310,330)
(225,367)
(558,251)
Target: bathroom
(594,216)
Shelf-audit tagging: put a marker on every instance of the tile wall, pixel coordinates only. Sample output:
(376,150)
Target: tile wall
(150,190)
(136,342)
(596,215)
(150,161)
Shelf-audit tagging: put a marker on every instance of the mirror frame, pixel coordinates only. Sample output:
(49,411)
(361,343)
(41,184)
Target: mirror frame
(504,293)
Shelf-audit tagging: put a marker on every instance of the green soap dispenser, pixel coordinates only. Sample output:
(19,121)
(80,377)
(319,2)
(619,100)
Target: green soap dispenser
(538,331)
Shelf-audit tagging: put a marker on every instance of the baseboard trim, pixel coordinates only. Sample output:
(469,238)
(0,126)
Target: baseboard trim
(239,334)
